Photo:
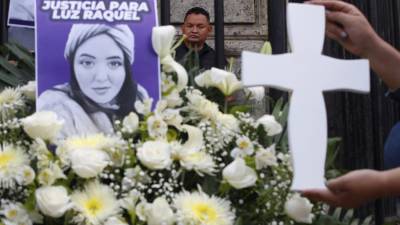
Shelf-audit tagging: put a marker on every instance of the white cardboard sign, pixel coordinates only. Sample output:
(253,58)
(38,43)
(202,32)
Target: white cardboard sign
(306,74)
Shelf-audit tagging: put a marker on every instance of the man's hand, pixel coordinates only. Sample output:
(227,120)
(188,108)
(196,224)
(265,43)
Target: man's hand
(352,189)
(347,25)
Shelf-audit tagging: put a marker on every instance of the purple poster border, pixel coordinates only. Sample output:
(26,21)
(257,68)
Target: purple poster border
(51,36)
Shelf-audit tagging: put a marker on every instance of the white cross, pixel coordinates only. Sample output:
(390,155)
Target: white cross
(306,73)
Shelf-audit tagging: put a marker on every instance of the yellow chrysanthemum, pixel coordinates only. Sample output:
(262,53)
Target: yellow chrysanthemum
(96,203)
(12,159)
(200,209)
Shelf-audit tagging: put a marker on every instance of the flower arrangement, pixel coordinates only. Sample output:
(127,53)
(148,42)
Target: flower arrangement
(190,161)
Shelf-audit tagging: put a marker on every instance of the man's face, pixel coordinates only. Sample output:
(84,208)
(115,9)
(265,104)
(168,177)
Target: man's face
(196,28)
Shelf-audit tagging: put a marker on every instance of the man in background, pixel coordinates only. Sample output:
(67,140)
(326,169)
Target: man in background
(196,28)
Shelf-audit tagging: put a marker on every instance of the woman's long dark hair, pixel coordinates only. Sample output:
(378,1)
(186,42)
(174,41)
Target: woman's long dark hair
(125,99)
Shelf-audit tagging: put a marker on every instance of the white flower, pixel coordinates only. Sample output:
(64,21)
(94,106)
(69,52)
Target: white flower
(47,176)
(228,121)
(130,123)
(195,139)
(225,81)
(10,99)
(13,159)
(266,157)
(144,108)
(198,208)
(88,163)
(205,108)
(115,221)
(172,117)
(28,175)
(155,155)
(109,144)
(173,98)
(299,209)
(157,127)
(52,201)
(14,213)
(96,203)
(244,147)
(129,202)
(200,162)
(162,39)
(239,175)
(141,210)
(159,213)
(167,84)
(41,152)
(271,126)
(44,125)
(257,93)
(29,90)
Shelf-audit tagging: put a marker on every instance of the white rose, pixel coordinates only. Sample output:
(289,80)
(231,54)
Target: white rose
(155,155)
(239,175)
(29,90)
(130,122)
(88,163)
(44,125)
(159,213)
(299,209)
(271,126)
(266,157)
(225,81)
(52,201)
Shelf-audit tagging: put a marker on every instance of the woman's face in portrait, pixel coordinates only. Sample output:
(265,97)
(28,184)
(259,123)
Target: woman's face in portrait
(99,68)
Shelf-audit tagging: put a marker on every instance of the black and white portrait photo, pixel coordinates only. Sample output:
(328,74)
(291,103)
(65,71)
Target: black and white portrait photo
(101,88)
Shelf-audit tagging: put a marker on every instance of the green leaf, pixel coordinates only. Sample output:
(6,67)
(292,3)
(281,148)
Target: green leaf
(239,108)
(277,108)
(336,213)
(21,55)
(368,221)
(266,48)
(332,152)
(239,221)
(8,79)
(348,216)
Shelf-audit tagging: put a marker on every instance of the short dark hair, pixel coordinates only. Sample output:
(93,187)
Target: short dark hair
(198,10)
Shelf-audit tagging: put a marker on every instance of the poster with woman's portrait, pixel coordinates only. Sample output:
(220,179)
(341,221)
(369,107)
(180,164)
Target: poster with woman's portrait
(21,13)
(95,61)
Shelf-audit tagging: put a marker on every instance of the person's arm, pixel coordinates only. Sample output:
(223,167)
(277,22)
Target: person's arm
(358,187)
(347,25)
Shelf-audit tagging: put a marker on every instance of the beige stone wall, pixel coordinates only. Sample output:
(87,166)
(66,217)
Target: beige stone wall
(246,23)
